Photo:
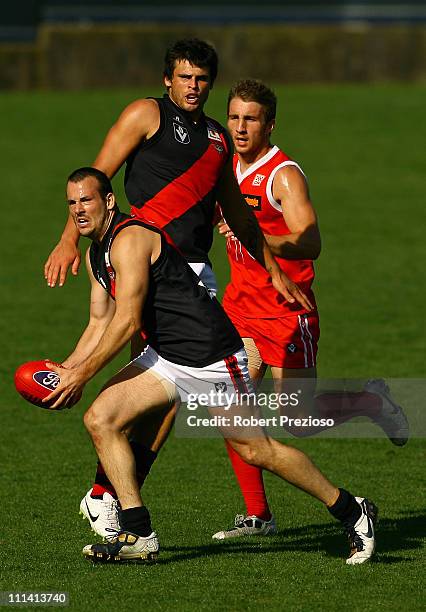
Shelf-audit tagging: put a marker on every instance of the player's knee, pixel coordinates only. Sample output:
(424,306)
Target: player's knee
(253,452)
(97,421)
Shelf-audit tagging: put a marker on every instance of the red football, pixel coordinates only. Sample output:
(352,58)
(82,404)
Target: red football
(35,381)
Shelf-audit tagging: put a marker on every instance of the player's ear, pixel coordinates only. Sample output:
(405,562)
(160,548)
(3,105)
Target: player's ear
(167,82)
(271,125)
(110,201)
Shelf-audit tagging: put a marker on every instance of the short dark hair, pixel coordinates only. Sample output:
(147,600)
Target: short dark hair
(253,90)
(104,184)
(196,51)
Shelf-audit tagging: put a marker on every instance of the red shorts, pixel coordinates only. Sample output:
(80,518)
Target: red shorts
(286,342)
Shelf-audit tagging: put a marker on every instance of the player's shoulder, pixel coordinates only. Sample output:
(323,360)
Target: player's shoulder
(132,241)
(287,167)
(141,109)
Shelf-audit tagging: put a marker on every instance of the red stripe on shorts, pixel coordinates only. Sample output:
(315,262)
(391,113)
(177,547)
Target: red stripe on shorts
(236,374)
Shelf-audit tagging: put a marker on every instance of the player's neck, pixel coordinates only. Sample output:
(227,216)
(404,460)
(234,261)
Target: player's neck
(106,226)
(248,159)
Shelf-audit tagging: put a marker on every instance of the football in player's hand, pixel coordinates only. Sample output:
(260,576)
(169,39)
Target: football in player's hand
(35,381)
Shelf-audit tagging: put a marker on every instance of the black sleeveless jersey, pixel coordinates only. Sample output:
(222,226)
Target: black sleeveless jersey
(180,319)
(171,178)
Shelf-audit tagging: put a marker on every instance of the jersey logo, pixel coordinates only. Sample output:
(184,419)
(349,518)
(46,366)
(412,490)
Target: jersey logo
(221,387)
(291,348)
(178,119)
(258,180)
(254,201)
(213,134)
(181,133)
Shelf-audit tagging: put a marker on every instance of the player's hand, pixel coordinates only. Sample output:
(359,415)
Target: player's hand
(290,290)
(64,255)
(224,229)
(69,390)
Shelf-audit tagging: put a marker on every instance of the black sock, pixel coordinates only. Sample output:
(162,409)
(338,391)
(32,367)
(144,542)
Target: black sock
(136,520)
(144,458)
(346,508)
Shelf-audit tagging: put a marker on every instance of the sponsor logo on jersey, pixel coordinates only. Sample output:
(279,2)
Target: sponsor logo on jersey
(221,387)
(213,134)
(219,148)
(258,180)
(178,119)
(181,133)
(291,348)
(254,201)
(47,379)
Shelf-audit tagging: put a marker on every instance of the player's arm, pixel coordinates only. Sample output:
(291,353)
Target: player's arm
(291,191)
(102,308)
(131,258)
(139,121)
(244,225)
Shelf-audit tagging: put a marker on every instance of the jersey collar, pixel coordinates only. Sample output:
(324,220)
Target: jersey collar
(263,160)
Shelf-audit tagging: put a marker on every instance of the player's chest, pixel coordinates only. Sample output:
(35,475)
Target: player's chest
(185,142)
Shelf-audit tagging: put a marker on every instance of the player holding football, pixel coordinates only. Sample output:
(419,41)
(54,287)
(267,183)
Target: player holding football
(277,334)
(136,275)
(178,163)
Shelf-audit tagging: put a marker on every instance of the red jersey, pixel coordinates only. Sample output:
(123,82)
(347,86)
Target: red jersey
(250,291)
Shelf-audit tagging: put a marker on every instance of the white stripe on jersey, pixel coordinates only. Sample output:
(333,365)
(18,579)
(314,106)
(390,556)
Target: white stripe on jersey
(272,201)
(253,167)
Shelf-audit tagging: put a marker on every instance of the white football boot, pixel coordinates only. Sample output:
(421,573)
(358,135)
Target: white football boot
(125,546)
(361,534)
(102,514)
(247,526)
(391,418)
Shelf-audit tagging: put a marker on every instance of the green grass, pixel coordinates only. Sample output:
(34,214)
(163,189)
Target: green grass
(363,151)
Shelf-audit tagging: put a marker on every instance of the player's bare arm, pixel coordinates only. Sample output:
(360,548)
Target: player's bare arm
(131,284)
(102,308)
(138,122)
(291,191)
(244,225)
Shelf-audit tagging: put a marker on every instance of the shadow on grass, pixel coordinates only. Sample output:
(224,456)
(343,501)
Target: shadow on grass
(394,535)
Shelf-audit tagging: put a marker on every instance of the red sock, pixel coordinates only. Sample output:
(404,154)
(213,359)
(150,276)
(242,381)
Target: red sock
(102,484)
(344,406)
(251,484)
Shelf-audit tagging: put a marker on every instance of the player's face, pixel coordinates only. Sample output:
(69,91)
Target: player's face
(189,87)
(89,211)
(248,128)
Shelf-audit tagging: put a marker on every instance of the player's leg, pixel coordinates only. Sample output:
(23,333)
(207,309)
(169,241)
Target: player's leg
(356,514)
(146,437)
(258,519)
(129,395)
(337,407)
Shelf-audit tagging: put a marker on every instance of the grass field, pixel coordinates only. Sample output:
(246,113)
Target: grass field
(363,151)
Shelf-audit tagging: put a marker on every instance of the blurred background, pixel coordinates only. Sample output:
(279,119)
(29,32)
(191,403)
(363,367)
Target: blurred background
(59,44)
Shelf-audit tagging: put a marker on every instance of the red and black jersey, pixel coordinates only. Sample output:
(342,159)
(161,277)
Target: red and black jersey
(180,319)
(171,178)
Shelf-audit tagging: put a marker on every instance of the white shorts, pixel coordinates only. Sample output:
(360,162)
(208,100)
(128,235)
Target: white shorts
(217,382)
(206,275)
